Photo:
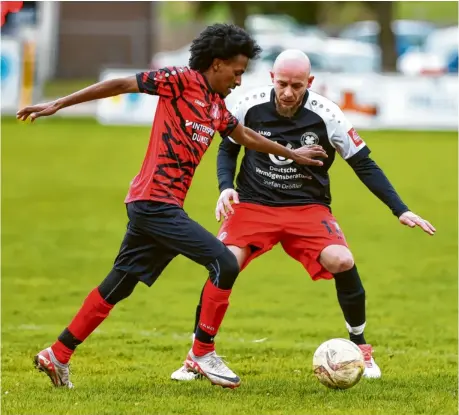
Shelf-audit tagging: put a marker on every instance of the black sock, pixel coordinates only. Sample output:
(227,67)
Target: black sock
(68,339)
(196,320)
(198,312)
(351,298)
(357,338)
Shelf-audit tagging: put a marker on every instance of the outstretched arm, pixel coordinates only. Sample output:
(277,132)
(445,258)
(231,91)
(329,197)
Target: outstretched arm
(353,149)
(378,183)
(104,89)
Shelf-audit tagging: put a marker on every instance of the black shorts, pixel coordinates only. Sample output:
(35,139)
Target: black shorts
(158,232)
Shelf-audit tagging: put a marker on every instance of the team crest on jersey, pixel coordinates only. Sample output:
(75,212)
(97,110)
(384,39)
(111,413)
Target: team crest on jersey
(309,139)
(215,112)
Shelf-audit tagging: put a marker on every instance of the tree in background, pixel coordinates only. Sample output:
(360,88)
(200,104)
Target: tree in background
(238,10)
(384,12)
(316,13)
(303,12)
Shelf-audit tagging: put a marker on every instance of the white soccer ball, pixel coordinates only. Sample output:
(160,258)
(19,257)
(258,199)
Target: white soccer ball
(338,364)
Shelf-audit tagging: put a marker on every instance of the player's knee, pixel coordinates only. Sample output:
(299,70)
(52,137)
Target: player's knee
(339,264)
(117,286)
(224,270)
(336,259)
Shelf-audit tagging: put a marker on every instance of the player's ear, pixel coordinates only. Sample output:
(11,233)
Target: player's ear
(272,75)
(216,64)
(310,81)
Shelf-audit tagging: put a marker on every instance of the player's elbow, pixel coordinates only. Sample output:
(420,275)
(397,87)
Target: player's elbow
(247,139)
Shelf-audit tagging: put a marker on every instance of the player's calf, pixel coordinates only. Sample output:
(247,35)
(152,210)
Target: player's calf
(215,301)
(95,309)
(351,298)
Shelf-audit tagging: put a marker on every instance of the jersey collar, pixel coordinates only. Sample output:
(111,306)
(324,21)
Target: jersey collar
(206,82)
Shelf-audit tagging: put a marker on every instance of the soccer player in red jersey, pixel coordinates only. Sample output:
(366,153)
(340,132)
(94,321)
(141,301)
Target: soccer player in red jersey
(190,111)
(279,201)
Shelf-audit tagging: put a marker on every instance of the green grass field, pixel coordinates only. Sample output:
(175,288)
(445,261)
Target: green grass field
(63,218)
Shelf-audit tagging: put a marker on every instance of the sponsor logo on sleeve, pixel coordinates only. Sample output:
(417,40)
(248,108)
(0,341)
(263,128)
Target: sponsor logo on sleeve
(354,135)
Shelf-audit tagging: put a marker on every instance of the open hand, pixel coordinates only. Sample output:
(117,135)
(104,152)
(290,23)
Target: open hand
(224,203)
(307,154)
(412,220)
(39,110)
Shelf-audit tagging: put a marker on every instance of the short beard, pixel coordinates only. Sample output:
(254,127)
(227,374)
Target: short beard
(287,112)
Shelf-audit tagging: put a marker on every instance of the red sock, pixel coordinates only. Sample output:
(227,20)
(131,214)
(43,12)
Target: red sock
(214,305)
(93,311)
(62,352)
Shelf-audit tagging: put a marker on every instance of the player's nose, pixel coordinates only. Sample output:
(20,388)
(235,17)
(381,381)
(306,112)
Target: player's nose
(288,92)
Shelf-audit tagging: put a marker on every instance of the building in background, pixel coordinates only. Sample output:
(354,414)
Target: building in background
(94,35)
(79,39)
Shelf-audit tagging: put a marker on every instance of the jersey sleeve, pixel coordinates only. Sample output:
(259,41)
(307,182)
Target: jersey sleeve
(345,139)
(228,122)
(165,82)
(239,113)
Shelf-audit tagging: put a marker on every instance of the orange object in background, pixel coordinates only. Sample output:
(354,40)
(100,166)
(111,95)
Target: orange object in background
(28,73)
(349,104)
(9,7)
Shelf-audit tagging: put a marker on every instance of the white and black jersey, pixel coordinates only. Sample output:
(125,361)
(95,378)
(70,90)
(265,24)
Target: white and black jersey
(275,181)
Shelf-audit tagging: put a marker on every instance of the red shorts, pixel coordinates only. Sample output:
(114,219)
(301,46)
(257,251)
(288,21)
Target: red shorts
(303,231)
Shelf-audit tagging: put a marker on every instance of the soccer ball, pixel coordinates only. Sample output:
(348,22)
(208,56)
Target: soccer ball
(338,364)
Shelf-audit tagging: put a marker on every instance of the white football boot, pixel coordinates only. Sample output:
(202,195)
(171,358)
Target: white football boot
(372,370)
(213,368)
(58,372)
(183,374)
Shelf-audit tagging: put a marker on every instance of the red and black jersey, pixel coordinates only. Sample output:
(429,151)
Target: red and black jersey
(188,114)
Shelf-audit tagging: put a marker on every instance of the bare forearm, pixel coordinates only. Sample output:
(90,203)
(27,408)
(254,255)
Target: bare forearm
(255,141)
(104,89)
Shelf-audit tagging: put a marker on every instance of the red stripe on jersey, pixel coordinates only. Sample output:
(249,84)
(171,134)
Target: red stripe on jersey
(188,115)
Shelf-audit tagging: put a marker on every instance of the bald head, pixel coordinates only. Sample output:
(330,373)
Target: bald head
(291,76)
(293,61)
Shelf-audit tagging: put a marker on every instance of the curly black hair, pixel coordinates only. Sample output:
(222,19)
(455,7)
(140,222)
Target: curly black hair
(224,41)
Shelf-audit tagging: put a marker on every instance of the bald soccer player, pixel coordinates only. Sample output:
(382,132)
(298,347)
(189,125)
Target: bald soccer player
(279,201)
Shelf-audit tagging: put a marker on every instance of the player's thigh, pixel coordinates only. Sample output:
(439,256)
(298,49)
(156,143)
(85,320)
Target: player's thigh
(308,234)
(172,229)
(241,254)
(141,257)
(252,230)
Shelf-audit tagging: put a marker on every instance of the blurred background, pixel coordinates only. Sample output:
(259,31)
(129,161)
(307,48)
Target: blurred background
(382,62)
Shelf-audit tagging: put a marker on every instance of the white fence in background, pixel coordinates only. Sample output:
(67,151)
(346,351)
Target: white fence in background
(372,101)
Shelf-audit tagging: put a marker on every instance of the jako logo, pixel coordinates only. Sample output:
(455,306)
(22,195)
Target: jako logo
(200,103)
(205,326)
(265,133)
